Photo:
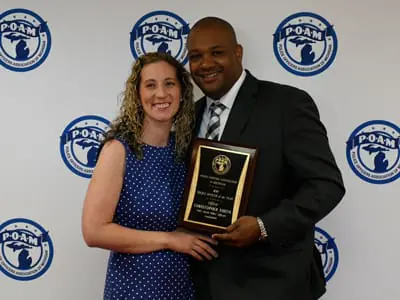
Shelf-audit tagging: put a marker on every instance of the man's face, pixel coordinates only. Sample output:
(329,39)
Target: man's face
(215,60)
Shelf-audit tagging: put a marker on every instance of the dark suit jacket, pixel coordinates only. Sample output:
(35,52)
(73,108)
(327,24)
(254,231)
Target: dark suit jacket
(296,183)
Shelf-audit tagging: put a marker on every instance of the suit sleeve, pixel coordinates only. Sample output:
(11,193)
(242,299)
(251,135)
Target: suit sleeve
(318,181)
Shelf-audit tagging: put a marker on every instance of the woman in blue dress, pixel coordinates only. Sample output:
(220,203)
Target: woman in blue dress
(133,198)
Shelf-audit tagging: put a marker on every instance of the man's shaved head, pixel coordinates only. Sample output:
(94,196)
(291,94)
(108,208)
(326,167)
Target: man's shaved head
(215,22)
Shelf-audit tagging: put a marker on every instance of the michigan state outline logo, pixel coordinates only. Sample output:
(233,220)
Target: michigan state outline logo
(305,44)
(26,249)
(25,40)
(80,143)
(373,151)
(160,31)
(328,250)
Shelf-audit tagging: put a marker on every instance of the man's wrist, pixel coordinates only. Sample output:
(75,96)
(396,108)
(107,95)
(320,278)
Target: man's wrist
(263,231)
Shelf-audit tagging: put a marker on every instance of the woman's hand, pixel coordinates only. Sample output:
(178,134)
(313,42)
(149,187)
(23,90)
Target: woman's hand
(192,244)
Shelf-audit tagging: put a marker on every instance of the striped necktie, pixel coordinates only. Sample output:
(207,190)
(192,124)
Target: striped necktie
(216,108)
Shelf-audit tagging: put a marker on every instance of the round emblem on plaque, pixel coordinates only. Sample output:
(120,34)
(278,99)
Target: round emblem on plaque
(221,164)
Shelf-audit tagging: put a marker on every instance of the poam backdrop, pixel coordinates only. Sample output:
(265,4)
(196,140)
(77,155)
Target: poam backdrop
(63,65)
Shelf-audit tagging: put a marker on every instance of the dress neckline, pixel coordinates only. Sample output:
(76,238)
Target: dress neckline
(169,144)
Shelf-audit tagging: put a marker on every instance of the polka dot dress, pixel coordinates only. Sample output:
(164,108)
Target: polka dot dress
(150,198)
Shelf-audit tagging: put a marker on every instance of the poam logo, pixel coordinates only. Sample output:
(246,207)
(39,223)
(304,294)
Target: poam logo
(80,142)
(160,31)
(305,44)
(328,250)
(25,40)
(26,249)
(373,151)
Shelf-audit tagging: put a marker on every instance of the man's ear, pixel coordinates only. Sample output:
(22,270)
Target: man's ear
(239,52)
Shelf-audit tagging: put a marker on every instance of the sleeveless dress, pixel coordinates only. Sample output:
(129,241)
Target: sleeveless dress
(150,198)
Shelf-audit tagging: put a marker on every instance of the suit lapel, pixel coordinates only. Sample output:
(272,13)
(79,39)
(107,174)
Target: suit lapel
(241,110)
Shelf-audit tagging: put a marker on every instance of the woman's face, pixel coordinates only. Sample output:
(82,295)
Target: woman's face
(160,92)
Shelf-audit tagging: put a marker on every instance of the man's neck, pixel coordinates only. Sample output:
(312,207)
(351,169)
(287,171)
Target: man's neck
(217,97)
(228,97)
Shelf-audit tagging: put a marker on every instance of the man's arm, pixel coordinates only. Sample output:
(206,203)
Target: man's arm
(315,173)
(313,167)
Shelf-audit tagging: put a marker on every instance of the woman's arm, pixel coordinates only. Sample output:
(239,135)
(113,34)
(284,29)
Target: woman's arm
(99,207)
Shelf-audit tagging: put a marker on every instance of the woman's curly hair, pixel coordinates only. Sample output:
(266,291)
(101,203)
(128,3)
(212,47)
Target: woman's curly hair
(129,124)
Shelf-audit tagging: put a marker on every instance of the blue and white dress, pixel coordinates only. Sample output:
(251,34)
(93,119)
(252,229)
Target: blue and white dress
(149,200)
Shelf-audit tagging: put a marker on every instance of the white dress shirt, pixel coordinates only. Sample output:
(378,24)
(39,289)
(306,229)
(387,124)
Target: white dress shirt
(228,99)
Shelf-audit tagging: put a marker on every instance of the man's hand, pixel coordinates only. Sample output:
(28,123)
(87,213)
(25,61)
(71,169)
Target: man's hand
(244,232)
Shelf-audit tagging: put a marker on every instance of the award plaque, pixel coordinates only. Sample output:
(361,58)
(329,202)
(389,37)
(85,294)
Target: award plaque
(218,185)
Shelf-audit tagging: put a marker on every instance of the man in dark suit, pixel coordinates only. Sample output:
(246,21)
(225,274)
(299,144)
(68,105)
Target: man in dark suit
(269,253)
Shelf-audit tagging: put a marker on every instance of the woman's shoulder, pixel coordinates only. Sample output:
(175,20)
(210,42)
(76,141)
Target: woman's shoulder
(121,141)
(113,147)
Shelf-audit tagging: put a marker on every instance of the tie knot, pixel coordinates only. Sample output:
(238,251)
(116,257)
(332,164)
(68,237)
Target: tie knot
(216,108)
